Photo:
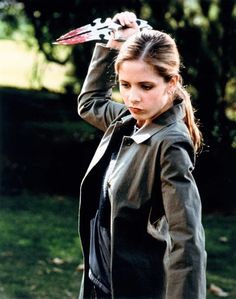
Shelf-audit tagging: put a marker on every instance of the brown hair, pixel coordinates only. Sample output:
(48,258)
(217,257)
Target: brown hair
(159,50)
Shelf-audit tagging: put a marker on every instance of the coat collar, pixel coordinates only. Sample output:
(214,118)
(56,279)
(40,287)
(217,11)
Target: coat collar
(175,113)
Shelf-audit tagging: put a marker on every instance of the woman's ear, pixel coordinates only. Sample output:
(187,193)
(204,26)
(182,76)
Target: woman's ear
(173,83)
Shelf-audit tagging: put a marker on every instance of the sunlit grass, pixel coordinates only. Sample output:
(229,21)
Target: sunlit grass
(23,67)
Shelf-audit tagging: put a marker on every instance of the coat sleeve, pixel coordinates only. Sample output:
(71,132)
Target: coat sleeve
(94,102)
(186,260)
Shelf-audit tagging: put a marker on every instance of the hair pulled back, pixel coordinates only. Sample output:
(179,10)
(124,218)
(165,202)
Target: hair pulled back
(159,50)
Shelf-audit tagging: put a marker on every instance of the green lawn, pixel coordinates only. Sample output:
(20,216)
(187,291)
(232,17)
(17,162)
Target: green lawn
(40,249)
(221,244)
(27,68)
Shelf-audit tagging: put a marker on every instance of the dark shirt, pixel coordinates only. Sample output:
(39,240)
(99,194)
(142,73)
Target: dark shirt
(99,257)
(100,241)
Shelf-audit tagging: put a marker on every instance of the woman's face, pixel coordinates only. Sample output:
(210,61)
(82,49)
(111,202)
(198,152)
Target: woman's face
(144,92)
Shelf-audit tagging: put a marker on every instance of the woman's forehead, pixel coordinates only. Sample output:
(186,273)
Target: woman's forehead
(136,68)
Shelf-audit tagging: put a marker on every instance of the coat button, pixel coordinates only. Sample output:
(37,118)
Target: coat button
(128,141)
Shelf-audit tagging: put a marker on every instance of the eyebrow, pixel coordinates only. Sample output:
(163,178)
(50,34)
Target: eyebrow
(140,82)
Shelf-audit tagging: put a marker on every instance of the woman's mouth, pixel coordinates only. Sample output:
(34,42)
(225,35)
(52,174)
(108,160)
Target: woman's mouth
(135,110)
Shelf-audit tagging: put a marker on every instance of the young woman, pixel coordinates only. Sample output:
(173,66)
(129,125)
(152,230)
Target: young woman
(141,229)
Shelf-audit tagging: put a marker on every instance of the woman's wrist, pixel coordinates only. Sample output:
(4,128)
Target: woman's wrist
(114,44)
(117,39)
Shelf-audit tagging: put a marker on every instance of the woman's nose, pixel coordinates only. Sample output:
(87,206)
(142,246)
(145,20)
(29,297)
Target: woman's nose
(134,96)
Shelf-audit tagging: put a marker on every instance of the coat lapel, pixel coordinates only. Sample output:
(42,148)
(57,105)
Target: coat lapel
(103,146)
(167,118)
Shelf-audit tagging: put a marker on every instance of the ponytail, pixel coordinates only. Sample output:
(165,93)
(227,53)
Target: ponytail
(190,120)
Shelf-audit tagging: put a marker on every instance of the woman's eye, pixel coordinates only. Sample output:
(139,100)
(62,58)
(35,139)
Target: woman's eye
(124,85)
(146,87)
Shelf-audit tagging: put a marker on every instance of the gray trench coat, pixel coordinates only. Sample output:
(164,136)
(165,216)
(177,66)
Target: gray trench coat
(157,239)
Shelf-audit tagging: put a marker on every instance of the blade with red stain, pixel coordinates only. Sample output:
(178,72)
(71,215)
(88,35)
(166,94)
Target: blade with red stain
(97,31)
(75,39)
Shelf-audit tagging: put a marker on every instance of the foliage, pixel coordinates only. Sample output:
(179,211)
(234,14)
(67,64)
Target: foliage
(45,146)
(14,23)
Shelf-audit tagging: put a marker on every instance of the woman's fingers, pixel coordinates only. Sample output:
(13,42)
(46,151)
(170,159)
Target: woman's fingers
(129,27)
(126,18)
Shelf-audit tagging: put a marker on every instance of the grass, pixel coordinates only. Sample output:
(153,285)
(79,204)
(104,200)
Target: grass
(40,249)
(27,68)
(220,243)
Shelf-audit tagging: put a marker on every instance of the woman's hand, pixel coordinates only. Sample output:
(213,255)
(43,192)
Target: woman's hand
(128,22)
